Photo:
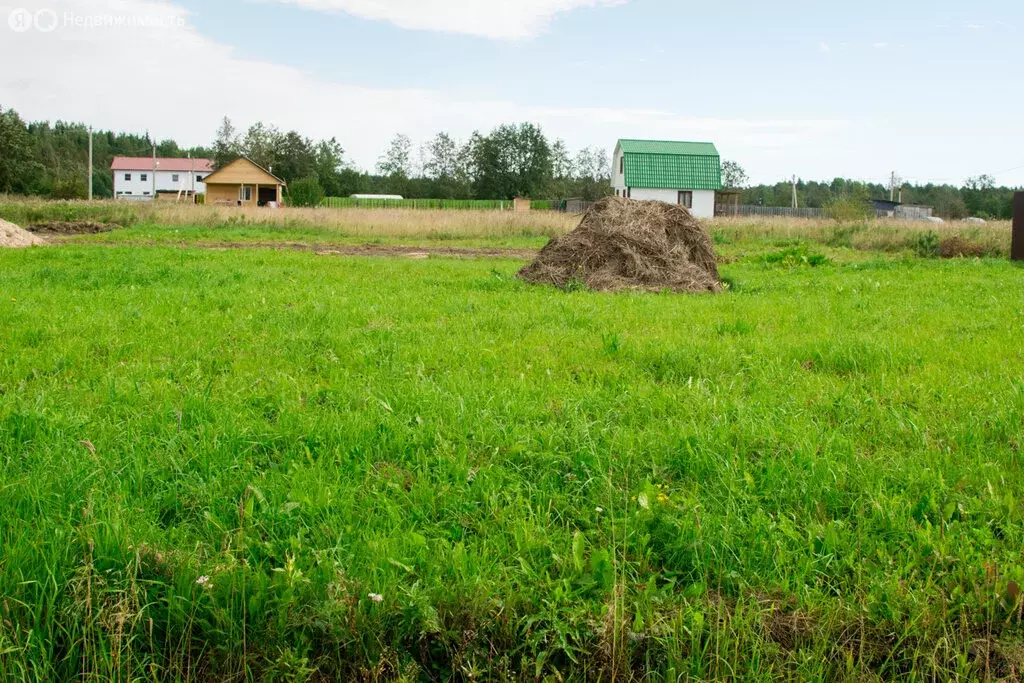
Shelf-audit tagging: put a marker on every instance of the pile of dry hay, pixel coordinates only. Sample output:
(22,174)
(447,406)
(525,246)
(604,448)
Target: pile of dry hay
(13,236)
(626,244)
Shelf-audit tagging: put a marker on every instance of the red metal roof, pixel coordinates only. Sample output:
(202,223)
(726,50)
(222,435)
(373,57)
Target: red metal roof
(146,164)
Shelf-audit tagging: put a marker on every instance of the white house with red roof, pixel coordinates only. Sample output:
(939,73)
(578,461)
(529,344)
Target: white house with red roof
(146,178)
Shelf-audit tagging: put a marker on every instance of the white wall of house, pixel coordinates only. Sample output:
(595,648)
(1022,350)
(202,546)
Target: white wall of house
(703,204)
(139,183)
(618,177)
(652,194)
(703,200)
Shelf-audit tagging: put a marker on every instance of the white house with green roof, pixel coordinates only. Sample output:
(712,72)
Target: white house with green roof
(687,173)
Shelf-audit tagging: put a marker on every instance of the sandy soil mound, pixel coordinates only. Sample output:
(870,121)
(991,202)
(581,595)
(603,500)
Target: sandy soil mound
(13,236)
(70,228)
(626,244)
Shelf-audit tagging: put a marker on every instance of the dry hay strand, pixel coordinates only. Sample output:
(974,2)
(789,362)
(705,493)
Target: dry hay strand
(625,244)
(14,237)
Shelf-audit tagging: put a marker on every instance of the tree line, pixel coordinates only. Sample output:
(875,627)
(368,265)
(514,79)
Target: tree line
(979,196)
(513,160)
(51,160)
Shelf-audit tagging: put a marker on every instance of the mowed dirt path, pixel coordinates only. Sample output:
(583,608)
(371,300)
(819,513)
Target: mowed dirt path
(329,249)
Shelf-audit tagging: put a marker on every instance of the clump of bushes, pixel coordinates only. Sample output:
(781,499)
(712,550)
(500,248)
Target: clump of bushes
(848,209)
(956,246)
(30,212)
(930,245)
(306,192)
(796,256)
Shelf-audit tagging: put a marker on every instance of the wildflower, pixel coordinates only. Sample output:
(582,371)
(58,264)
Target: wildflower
(204,581)
(599,509)
(376,597)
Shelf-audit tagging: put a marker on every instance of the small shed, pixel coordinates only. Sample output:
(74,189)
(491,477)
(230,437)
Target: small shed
(243,182)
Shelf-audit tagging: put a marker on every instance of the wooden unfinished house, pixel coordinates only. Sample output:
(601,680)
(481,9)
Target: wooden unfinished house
(244,183)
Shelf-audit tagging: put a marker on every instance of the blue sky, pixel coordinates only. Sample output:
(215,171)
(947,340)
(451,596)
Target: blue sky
(931,90)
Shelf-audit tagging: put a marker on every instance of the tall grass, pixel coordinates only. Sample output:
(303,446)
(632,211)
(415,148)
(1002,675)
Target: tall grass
(354,222)
(884,235)
(872,235)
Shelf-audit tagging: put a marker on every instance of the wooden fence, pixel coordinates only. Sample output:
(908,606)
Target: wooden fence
(780,211)
(563,205)
(422,204)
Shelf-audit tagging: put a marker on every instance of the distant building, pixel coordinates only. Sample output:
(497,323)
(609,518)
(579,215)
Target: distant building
(377,196)
(686,173)
(244,183)
(146,178)
(893,209)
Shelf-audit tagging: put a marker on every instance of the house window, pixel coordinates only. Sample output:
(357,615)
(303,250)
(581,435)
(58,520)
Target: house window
(174,177)
(622,164)
(127,176)
(143,177)
(245,194)
(145,193)
(199,178)
(686,199)
(629,192)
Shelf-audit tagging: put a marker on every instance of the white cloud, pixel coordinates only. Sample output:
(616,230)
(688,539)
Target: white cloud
(161,75)
(880,46)
(824,47)
(497,19)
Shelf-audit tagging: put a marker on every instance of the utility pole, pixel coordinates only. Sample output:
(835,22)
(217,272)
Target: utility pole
(154,172)
(892,186)
(90,163)
(796,201)
(1017,236)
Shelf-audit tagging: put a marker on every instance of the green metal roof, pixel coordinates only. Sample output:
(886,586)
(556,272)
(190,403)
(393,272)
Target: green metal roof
(674,165)
(665,147)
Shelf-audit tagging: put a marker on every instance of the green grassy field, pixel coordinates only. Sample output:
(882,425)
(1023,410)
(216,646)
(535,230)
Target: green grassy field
(267,465)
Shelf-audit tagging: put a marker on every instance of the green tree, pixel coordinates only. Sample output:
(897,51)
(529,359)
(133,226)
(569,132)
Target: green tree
(396,166)
(305,192)
(225,147)
(442,166)
(513,161)
(329,161)
(734,177)
(18,165)
(396,161)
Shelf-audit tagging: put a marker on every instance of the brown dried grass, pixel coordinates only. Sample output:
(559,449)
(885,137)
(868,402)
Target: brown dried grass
(376,222)
(885,235)
(626,244)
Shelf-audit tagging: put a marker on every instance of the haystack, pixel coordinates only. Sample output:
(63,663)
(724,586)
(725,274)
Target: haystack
(626,244)
(13,236)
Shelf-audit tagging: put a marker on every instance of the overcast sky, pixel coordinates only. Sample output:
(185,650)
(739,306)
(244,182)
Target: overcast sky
(932,89)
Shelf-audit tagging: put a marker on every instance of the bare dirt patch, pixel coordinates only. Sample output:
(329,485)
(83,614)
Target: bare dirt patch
(71,228)
(424,252)
(625,244)
(12,236)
